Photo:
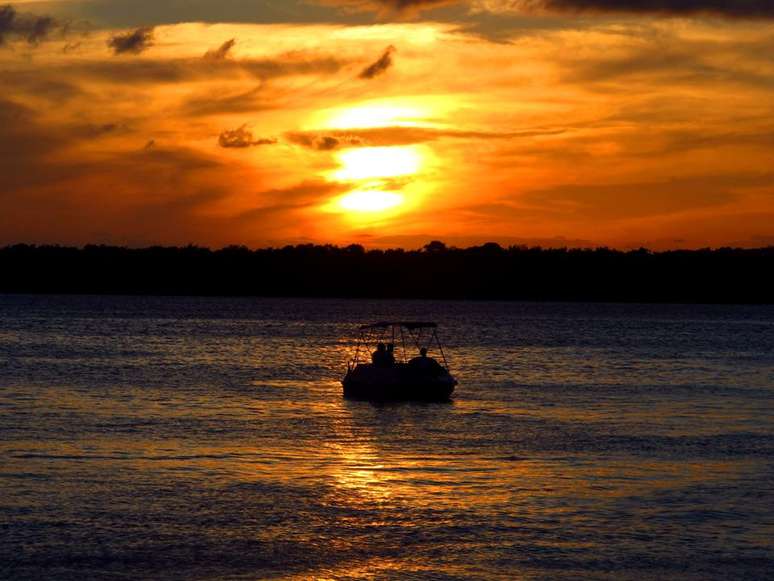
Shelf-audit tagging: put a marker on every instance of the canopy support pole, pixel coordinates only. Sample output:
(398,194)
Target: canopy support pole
(440,348)
(356,359)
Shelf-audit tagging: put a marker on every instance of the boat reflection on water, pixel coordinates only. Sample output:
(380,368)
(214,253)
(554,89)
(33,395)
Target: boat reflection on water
(392,375)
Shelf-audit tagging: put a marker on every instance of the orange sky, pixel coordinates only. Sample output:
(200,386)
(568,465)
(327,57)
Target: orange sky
(352,121)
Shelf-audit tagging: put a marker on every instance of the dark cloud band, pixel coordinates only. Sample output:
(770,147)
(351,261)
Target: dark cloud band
(739,8)
(732,8)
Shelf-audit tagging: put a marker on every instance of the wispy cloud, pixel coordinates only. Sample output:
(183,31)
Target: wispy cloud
(381,65)
(397,135)
(241,137)
(391,7)
(322,142)
(221,52)
(29,27)
(133,42)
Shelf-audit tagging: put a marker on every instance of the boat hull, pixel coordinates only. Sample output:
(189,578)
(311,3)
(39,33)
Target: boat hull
(397,383)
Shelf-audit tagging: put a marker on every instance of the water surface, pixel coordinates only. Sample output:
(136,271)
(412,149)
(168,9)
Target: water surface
(185,438)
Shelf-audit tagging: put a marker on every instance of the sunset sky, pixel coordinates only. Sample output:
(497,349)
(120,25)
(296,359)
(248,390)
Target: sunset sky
(387,122)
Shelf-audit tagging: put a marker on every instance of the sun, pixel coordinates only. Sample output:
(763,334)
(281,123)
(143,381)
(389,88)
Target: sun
(368,163)
(371,170)
(375,114)
(370,201)
(383,178)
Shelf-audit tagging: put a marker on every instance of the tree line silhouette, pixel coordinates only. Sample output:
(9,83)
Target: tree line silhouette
(725,275)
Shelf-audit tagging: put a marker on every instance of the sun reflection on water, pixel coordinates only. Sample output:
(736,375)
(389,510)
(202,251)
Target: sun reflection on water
(358,468)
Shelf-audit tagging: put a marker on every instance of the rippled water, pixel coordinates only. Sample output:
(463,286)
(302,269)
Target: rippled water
(172,438)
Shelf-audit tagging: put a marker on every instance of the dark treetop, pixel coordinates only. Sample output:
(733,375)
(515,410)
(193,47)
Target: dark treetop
(483,272)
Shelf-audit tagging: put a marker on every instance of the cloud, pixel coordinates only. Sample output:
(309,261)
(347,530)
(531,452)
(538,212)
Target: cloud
(41,159)
(630,200)
(241,137)
(213,103)
(37,84)
(178,70)
(31,28)
(221,52)
(327,143)
(257,98)
(71,47)
(387,7)
(22,138)
(133,42)
(420,240)
(639,99)
(284,200)
(733,8)
(404,5)
(380,66)
(216,86)
(142,196)
(659,56)
(398,135)
(322,142)
(91,131)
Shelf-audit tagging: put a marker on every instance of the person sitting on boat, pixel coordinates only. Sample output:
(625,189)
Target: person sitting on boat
(381,357)
(425,363)
(391,353)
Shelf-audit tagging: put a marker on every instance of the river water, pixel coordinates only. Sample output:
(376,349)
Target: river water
(186,438)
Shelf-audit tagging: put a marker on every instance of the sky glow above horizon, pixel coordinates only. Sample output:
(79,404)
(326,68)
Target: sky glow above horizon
(268,123)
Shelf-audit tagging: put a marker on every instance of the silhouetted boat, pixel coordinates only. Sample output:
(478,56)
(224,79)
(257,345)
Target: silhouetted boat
(391,375)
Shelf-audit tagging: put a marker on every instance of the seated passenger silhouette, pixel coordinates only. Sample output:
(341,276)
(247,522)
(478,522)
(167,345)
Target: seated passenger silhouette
(391,353)
(380,357)
(425,364)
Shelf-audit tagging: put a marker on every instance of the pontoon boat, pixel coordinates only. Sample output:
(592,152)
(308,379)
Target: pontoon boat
(390,374)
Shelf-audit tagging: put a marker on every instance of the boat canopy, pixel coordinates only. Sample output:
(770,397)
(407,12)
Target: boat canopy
(411,325)
(397,333)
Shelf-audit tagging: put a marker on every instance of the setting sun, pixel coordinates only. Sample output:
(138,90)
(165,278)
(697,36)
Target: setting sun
(375,115)
(378,162)
(370,201)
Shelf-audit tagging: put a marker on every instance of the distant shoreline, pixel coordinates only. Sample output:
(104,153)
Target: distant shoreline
(436,272)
